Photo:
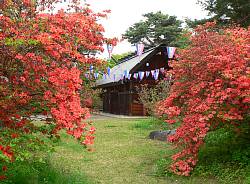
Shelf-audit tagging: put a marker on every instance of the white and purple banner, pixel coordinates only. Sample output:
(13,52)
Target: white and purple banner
(121,76)
(108,71)
(156,74)
(141,75)
(139,48)
(104,76)
(86,75)
(162,70)
(96,75)
(135,75)
(91,68)
(126,73)
(152,72)
(110,49)
(171,52)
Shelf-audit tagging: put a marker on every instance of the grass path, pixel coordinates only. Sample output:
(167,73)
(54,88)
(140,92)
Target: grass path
(122,154)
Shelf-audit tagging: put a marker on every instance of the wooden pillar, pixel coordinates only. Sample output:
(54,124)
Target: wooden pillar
(130,98)
(104,99)
(124,96)
(119,103)
(144,113)
(108,102)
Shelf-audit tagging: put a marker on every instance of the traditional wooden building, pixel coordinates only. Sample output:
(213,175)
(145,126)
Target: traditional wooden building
(120,94)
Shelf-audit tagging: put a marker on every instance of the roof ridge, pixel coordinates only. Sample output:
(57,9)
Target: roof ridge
(134,56)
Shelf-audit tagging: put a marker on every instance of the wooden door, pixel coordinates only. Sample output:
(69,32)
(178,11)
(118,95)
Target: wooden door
(114,103)
(124,103)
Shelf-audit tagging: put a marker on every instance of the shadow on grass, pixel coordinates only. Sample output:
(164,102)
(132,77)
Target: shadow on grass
(41,172)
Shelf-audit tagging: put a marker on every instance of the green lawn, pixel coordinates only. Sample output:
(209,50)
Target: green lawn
(124,154)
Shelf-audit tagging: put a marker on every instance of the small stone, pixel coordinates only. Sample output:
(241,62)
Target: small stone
(161,135)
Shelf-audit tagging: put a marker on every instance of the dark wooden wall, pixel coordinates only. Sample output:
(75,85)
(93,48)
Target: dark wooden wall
(123,99)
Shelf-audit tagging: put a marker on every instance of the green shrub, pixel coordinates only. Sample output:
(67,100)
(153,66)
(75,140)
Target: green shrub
(150,124)
(150,95)
(225,156)
(36,172)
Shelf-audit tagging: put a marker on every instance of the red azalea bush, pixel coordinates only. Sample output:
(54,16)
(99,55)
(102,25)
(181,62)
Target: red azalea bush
(43,57)
(211,90)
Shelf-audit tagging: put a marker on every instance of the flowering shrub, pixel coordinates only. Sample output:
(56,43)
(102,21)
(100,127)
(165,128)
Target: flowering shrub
(149,96)
(43,56)
(211,90)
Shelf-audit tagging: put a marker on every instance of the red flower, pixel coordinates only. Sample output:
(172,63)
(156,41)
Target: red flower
(4,168)
(2,177)
(211,85)
(14,135)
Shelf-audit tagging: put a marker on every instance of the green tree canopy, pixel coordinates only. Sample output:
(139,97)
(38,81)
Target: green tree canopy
(156,28)
(116,58)
(226,12)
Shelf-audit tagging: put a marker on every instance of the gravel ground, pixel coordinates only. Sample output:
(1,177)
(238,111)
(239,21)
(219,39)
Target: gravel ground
(94,116)
(101,115)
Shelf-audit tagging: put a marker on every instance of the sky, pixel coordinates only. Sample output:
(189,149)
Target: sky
(125,13)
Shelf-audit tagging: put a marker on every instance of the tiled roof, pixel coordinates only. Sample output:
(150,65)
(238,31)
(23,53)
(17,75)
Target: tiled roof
(119,69)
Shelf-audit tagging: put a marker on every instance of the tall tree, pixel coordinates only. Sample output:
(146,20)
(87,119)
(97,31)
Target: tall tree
(228,11)
(157,28)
